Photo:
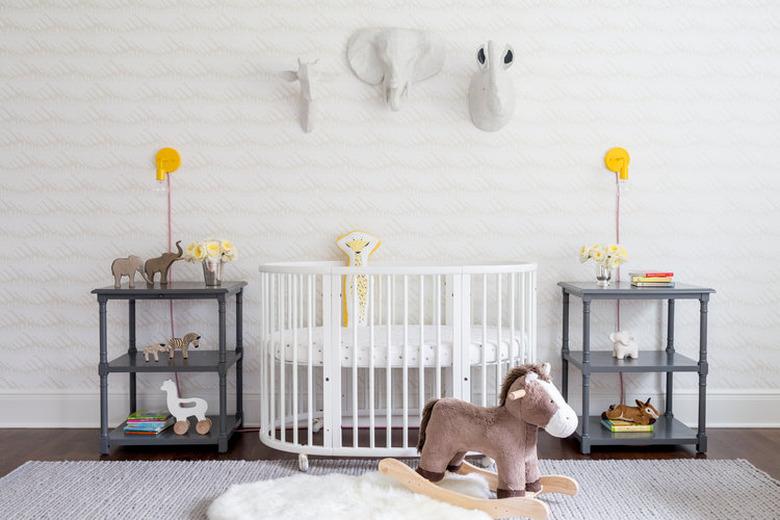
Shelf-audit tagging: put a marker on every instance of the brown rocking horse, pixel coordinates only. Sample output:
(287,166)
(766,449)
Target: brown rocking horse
(450,428)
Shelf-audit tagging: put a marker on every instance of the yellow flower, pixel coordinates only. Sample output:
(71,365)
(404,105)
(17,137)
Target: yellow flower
(584,254)
(598,255)
(613,249)
(213,249)
(227,246)
(199,252)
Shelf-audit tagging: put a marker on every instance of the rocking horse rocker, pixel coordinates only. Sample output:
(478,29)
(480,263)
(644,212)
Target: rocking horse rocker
(450,428)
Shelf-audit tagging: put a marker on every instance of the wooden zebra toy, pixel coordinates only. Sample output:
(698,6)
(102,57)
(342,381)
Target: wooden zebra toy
(183,344)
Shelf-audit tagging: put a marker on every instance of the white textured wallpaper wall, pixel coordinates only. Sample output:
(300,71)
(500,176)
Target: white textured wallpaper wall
(89,90)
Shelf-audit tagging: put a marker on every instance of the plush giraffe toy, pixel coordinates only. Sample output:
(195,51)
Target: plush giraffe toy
(358,245)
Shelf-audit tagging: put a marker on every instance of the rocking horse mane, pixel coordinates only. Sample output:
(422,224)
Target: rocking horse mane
(518,372)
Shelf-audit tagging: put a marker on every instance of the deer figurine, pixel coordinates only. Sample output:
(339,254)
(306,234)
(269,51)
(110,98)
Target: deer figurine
(305,75)
(642,413)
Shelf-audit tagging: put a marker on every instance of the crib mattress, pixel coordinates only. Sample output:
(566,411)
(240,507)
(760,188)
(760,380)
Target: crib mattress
(414,350)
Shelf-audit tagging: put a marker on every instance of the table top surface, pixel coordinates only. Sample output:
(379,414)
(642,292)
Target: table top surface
(624,288)
(173,288)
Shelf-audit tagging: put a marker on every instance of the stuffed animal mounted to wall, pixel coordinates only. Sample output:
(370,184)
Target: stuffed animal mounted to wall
(308,77)
(492,92)
(395,58)
(358,245)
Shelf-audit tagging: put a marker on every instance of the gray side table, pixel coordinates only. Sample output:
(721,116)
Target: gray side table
(218,361)
(668,430)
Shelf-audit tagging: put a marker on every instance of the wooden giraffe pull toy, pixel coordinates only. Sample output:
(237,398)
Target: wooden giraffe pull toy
(358,245)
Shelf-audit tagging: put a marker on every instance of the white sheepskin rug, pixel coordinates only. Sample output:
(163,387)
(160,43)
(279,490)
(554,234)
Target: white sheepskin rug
(338,496)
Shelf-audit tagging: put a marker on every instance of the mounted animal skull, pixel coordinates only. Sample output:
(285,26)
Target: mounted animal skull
(491,92)
(396,58)
(306,74)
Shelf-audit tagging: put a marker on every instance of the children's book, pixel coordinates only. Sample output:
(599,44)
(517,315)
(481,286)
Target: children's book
(625,426)
(652,274)
(147,416)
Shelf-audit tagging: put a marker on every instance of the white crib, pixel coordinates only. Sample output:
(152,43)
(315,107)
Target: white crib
(428,332)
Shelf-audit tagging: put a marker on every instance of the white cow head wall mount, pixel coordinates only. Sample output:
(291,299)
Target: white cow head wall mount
(308,76)
(396,58)
(492,92)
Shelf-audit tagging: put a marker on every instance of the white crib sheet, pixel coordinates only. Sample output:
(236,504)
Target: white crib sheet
(429,347)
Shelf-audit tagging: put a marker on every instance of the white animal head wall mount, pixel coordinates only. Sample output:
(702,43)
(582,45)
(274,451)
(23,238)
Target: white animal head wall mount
(396,58)
(308,76)
(492,92)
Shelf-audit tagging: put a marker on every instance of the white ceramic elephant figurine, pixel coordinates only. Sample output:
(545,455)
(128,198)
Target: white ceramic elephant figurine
(395,58)
(623,345)
(492,92)
(308,76)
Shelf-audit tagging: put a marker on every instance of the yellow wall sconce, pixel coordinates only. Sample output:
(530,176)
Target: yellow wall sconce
(616,160)
(167,161)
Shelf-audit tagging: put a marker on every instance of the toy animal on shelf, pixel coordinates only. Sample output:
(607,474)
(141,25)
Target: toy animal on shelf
(155,349)
(194,407)
(507,433)
(161,264)
(642,413)
(623,345)
(127,266)
(183,344)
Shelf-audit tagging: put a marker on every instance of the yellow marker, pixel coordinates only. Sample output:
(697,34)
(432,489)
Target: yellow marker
(616,160)
(167,161)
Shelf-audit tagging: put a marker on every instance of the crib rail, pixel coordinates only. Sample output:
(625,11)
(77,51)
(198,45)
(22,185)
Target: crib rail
(350,356)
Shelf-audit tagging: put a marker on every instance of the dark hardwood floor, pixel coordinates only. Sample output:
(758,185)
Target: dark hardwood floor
(760,446)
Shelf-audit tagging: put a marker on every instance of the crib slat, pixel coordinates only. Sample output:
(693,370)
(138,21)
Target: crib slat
(484,340)
(310,357)
(355,350)
(421,355)
(532,312)
(277,279)
(294,394)
(405,376)
(524,317)
(499,345)
(371,411)
(389,369)
(438,337)
(512,281)
(286,298)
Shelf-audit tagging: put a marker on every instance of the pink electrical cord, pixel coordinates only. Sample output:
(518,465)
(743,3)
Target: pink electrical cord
(170,272)
(617,302)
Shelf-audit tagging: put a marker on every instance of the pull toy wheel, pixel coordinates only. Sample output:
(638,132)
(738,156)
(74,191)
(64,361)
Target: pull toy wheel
(204,426)
(181,427)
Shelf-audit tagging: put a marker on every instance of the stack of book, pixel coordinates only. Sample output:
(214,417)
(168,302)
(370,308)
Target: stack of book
(652,279)
(616,426)
(148,423)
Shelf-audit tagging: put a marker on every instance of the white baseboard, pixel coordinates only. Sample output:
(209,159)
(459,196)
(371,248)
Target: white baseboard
(759,408)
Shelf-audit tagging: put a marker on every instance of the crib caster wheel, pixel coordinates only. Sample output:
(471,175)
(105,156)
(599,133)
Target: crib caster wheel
(303,463)
(485,461)
(204,426)
(181,427)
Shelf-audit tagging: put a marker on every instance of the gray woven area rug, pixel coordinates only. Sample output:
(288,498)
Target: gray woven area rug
(648,489)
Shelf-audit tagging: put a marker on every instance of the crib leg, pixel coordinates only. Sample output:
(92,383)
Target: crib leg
(303,463)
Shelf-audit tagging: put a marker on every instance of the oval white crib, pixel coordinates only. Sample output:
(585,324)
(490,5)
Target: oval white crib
(349,356)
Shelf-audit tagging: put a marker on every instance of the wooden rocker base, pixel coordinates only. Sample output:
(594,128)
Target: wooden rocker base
(526,506)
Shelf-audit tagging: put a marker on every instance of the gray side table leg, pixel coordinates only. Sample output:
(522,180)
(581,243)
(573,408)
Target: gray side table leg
(131,351)
(565,348)
(240,362)
(585,442)
(670,352)
(701,435)
(222,441)
(103,372)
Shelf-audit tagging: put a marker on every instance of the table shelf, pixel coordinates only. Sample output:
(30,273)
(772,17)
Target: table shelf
(167,437)
(200,361)
(648,361)
(667,430)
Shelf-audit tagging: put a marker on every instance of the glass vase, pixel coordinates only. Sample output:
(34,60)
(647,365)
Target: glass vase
(212,273)
(603,275)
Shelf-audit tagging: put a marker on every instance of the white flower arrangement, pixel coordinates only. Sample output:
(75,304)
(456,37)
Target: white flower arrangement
(210,250)
(610,256)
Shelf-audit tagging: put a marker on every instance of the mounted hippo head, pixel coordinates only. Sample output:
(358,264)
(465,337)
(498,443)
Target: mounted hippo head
(491,92)
(396,58)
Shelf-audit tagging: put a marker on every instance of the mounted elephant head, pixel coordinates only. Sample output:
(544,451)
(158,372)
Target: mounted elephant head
(396,58)
(491,92)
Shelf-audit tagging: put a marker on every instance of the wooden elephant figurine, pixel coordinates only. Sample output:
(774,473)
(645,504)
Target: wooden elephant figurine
(127,267)
(161,264)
